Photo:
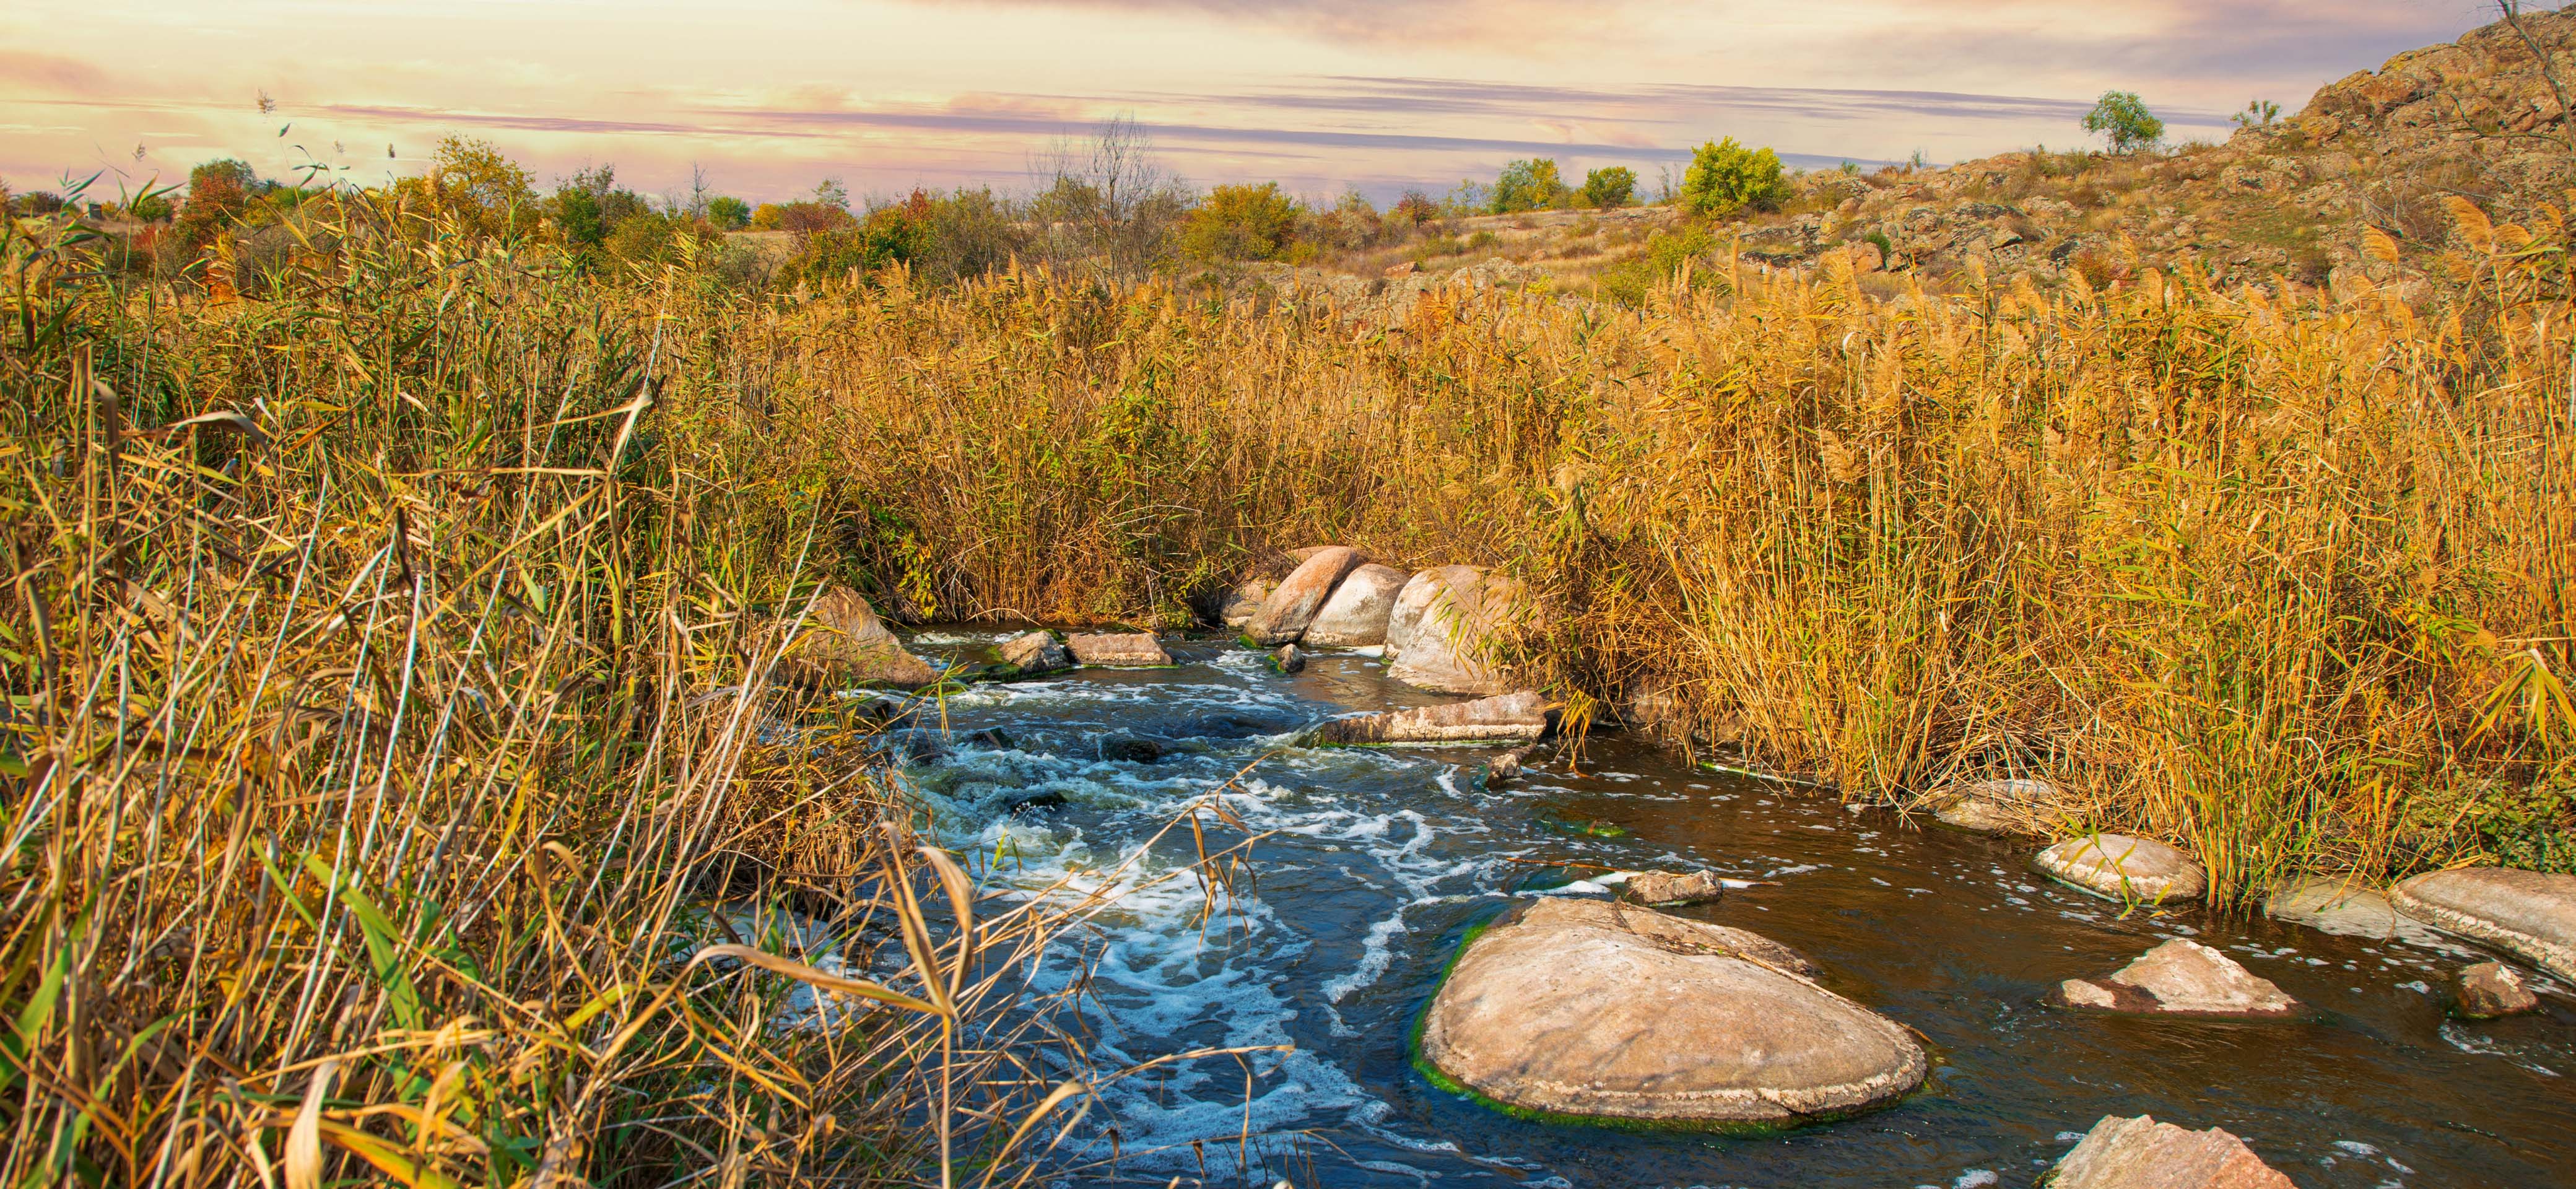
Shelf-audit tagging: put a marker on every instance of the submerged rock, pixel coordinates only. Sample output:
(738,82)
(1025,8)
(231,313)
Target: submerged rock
(1356,615)
(844,643)
(2140,1153)
(2332,904)
(1457,643)
(2017,806)
(1287,659)
(1510,718)
(2525,912)
(2491,989)
(2118,867)
(2183,978)
(1244,601)
(1128,650)
(1663,889)
(1292,606)
(1594,1009)
(1036,652)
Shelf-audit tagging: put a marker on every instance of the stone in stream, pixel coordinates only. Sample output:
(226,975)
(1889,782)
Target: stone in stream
(1507,767)
(1287,659)
(1036,652)
(2525,912)
(2334,904)
(2491,989)
(2180,978)
(844,643)
(1510,718)
(1127,650)
(1662,889)
(1284,615)
(2017,806)
(2141,1153)
(1356,615)
(1600,1010)
(2118,867)
(1456,644)
(1129,749)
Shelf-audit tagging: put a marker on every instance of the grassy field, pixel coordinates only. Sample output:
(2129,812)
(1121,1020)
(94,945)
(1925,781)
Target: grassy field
(387,657)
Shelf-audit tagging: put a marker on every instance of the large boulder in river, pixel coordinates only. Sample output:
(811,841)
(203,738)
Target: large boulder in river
(2118,867)
(2336,904)
(1356,614)
(1123,650)
(2525,912)
(844,643)
(1511,718)
(1600,1010)
(1284,615)
(1414,601)
(1457,643)
(2181,978)
(2141,1153)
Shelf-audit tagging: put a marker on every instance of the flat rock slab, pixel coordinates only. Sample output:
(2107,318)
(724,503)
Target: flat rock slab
(1666,889)
(2118,867)
(2491,989)
(1510,718)
(2017,806)
(2524,912)
(2332,905)
(1283,616)
(2181,978)
(1593,1009)
(1128,650)
(1356,615)
(2140,1153)
(1036,652)
(844,642)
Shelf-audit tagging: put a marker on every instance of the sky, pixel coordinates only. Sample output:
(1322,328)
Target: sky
(765,97)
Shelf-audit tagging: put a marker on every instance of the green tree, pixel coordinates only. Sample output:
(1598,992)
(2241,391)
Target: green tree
(2124,117)
(728,213)
(1243,222)
(2259,113)
(1725,177)
(1609,187)
(1528,185)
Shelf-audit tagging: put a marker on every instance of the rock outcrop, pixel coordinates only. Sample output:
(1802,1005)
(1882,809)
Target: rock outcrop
(2140,1153)
(2181,978)
(1356,614)
(1284,616)
(1509,718)
(2490,989)
(1036,652)
(1593,1009)
(1126,650)
(844,643)
(1457,644)
(2118,867)
(2524,912)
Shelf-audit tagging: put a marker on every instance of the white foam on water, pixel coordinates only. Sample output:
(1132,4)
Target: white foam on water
(1976,1178)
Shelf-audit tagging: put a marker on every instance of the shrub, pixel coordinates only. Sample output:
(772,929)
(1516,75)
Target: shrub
(151,206)
(1416,208)
(1725,177)
(1243,222)
(728,213)
(1629,280)
(2124,118)
(1609,187)
(1528,185)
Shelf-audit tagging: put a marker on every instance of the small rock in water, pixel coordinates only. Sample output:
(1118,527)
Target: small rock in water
(2118,867)
(2526,912)
(1287,659)
(1128,749)
(2141,1153)
(1036,652)
(1663,889)
(1596,1009)
(994,738)
(1127,650)
(1508,718)
(2184,978)
(1507,767)
(2334,904)
(2491,989)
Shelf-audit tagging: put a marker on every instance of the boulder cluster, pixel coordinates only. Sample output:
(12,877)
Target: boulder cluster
(1446,629)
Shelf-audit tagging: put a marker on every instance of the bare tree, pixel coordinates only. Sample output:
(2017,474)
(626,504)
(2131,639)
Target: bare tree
(1106,206)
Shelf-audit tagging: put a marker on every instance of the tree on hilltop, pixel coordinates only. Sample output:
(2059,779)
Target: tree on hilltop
(2124,117)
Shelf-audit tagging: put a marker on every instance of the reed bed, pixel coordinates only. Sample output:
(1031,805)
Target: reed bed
(396,787)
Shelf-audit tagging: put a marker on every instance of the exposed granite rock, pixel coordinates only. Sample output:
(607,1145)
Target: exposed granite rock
(2140,1153)
(2183,978)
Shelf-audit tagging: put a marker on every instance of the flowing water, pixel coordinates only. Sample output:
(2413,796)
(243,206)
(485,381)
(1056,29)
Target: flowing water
(1378,860)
